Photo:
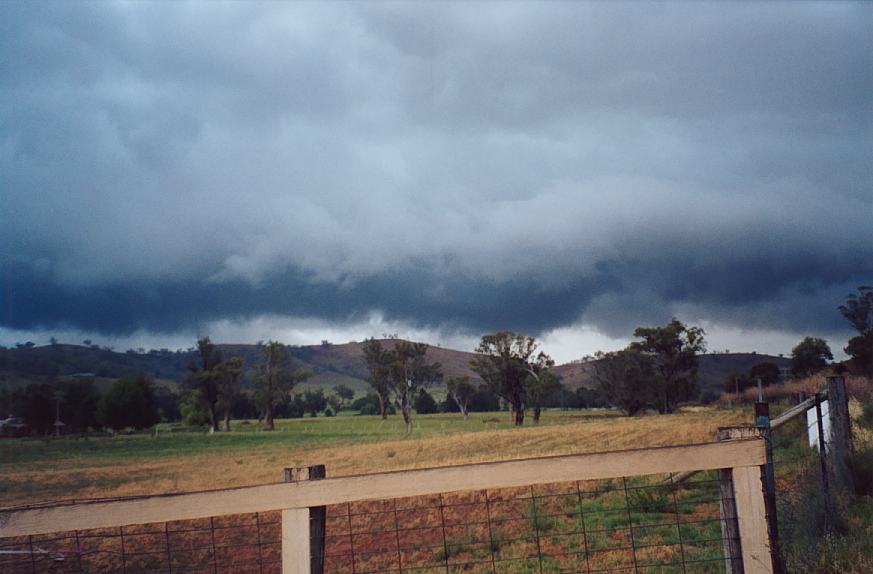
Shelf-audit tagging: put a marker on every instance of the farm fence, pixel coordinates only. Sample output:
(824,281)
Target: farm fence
(604,512)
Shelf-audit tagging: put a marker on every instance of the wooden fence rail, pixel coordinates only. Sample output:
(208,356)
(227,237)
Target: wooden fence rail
(744,458)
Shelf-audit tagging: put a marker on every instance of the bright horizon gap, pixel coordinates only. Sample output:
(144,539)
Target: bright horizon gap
(564,345)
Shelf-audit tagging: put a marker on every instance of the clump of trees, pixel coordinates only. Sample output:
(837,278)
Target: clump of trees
(506,361)
(213,386)
(660,371)
(625,379)
(399,373)
(129,403)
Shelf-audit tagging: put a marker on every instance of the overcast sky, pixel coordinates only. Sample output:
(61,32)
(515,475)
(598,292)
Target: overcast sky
(439,170)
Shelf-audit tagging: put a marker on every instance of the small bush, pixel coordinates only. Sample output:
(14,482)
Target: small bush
(650,500)
(424,404)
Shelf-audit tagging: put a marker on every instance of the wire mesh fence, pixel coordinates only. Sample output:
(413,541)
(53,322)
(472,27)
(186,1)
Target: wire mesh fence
(249,543)
(620,525)
(630,525)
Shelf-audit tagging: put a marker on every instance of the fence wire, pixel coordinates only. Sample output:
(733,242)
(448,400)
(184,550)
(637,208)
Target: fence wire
(240,544)
(628,525)
(620,525)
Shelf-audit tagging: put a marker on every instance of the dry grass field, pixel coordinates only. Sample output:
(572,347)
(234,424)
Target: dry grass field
(38,471)
(521,531)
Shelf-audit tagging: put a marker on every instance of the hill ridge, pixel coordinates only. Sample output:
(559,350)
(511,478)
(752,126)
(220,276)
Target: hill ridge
(329,362)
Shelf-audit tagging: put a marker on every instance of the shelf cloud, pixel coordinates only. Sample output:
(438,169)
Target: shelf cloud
(464,167)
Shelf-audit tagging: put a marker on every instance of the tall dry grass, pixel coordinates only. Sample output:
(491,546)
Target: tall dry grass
(858,387)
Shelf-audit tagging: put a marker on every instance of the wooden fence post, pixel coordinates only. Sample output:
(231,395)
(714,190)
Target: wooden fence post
(303,529)
(748,485)
(730,530)
(840,445)
(295,541)
(747,512)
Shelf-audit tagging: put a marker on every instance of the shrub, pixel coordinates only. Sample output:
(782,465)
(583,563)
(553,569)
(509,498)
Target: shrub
(424,404)
(650,500)
(369,405)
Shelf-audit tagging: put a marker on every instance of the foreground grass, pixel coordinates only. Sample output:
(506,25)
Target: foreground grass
(33,470)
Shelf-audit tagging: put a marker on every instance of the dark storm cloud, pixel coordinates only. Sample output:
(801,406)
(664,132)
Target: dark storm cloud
(474,166)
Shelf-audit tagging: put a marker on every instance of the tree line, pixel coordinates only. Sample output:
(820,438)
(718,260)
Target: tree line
(659,371)
(514,373)
(211,393)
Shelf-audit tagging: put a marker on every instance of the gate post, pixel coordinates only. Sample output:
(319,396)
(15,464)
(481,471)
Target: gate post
(752,520)
(303,529)
(295,541)
(746,514)
(730,531)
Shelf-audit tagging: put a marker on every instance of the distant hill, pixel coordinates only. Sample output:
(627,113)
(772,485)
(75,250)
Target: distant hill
(331,364)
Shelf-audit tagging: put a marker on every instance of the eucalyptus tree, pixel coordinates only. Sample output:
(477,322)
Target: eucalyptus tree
(810,356)
(673,349)
(203,380)
(378,360)
(228,373)
(409,372)
(274,379)
(505,360)
(538,391)
(626,379)
(461,390)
